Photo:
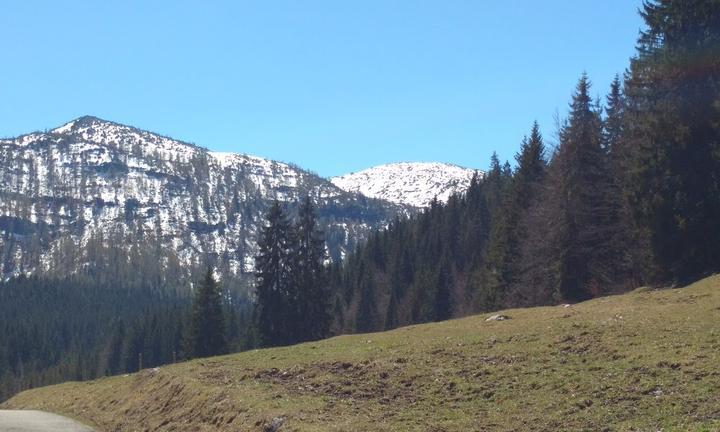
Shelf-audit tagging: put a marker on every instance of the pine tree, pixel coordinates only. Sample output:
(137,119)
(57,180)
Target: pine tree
(391,316)
(629,247)
(233,328)
(494,182)
(207,335)
(525,235)
(114,358)
(580,183)
(531,168)
(133,347)
(509,227)
(276,287)
(367,318)
(613,126)
(574,212)
(493,276)
(674,135)
(443,307)
(313,319)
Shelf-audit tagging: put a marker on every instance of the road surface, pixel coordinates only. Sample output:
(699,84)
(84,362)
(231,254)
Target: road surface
(37,421)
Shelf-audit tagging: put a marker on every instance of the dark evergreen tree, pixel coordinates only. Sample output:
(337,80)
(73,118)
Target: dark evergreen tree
(115,351)
(495,183)
(133,348)
(493,277)
(367,315)
(510,224)
(630,250)
(531,169)
(207,332)
(391,316)
(312,304)
(443,295)
(579,239)
(674,135)
(276,287)
(613,126)
(234,326)
(526,233)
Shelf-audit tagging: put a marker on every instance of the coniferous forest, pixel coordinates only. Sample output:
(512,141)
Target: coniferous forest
(629,195)
(626,194)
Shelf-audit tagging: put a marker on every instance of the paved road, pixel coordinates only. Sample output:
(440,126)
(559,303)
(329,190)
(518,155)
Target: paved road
(37,421)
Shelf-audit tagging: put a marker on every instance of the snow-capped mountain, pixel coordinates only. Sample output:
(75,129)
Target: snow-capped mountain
(96,184)
(405,183)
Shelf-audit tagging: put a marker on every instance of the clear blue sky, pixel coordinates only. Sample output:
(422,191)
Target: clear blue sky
(334,86)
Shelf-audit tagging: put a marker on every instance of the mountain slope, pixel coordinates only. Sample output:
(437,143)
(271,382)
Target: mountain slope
(93,184)
(646,360)
(408,183)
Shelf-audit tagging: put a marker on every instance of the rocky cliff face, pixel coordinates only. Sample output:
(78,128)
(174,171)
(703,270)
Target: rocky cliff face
(72,195)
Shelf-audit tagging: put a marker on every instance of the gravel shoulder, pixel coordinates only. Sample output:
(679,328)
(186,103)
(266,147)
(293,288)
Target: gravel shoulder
(35,421)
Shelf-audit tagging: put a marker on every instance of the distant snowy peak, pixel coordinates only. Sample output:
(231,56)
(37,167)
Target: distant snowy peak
(409,183)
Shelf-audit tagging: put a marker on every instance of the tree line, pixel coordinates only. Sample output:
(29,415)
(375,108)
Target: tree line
(81,327)
(630,195)
(90,325)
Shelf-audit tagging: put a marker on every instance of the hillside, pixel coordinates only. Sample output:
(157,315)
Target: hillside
(92,183)
(408,183)
(646,360)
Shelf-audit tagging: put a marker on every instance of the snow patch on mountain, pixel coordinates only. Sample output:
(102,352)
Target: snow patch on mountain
(409,183)
(92,181)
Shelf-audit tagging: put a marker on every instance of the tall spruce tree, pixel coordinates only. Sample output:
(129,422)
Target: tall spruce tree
(276,287)
(579,238)
(509,228)
(115,349)
(443,307)
(313,317)
(674,134)
(525,234)
(613,126)
(493,277)
(629,247)
(207,323)
(531,168)
(367,316)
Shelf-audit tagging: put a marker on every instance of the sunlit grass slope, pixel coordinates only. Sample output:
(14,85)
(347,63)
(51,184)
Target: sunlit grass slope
(645,361)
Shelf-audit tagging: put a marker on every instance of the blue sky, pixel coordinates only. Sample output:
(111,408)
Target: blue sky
(334,86)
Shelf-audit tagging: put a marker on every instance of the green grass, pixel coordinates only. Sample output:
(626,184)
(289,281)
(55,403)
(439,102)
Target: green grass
(644,361)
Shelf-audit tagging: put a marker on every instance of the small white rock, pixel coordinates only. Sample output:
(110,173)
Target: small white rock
(498,318)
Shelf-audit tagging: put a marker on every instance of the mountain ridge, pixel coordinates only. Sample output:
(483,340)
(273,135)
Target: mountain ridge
(91,179)
(92,182)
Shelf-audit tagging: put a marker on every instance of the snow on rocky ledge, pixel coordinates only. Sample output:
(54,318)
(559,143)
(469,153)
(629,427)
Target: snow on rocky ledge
(408,183)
